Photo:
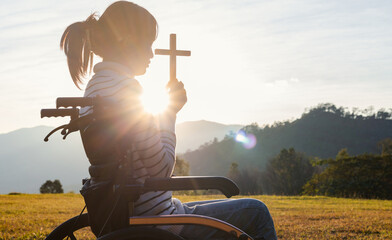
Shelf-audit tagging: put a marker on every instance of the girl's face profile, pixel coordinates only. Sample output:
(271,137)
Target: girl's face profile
(139,58)
(142,59)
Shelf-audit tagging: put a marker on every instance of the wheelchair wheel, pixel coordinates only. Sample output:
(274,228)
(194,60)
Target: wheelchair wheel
(66,229)
(140,233)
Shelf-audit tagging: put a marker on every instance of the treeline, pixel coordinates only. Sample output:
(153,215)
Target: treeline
(293,173)
(362,176)
(355,113)
(321,132)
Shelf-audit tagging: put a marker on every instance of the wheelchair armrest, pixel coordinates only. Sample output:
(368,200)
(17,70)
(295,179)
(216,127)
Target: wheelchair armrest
(223,184)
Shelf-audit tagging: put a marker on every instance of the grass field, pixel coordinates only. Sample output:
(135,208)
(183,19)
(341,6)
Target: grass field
(29,216)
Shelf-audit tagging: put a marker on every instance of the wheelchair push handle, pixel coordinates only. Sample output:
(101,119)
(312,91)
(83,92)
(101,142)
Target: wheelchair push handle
(74,102)
(53,112)
(70,106)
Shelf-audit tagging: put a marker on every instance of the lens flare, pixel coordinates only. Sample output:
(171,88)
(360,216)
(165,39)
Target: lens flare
(248,140)
(154,102)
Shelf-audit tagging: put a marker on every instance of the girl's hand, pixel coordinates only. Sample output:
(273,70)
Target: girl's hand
(177,96)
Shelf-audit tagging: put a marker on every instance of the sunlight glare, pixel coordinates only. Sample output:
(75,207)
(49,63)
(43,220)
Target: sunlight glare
(154,102)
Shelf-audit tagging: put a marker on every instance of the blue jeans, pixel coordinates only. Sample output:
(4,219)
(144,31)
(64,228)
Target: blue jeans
(249,215)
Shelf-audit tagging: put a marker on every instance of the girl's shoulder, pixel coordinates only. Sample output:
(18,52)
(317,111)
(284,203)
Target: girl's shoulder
(109,78)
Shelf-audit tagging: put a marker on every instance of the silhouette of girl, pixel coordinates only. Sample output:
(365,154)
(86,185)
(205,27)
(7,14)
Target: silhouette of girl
(123,37)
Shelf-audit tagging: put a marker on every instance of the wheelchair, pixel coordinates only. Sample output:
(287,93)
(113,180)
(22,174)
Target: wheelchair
(127,226)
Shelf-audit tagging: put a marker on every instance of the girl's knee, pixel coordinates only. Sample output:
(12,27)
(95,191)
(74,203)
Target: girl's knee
(255,204)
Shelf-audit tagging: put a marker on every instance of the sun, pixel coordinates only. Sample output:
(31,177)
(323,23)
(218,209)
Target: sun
(154,101)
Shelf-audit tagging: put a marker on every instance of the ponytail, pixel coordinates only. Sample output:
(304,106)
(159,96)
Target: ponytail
(77,45)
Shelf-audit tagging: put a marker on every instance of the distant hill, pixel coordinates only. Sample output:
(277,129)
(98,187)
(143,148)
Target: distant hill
(321,132)
(190,135)
(26,161)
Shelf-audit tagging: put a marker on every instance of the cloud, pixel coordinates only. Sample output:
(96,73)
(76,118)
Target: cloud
(282,83)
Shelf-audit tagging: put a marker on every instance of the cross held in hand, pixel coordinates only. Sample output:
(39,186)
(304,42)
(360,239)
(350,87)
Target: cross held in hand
(173,53)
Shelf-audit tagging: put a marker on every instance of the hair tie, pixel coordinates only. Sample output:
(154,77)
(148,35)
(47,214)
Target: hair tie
(91,21)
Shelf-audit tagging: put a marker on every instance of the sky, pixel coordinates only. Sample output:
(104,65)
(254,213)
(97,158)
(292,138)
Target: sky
(252,60)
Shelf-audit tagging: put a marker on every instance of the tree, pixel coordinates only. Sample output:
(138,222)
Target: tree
(286,173)
(252,128)
(342,154)
(181,168)
(382,114)
(234,173)
(386,146)
(361,176)
(51,187)
(248,180)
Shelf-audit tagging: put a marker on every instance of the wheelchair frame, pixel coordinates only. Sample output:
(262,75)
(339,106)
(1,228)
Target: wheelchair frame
(140,227)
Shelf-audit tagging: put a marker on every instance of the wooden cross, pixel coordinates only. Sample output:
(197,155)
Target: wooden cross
(172,52)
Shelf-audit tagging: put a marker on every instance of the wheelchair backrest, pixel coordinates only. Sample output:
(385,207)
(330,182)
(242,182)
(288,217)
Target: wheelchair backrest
(101,131)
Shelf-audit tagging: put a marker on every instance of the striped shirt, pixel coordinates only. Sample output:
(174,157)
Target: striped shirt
(153,141)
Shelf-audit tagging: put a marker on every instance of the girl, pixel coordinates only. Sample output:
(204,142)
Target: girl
(123,37)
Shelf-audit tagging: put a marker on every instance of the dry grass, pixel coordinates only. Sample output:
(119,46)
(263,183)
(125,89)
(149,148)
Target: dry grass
(34,216)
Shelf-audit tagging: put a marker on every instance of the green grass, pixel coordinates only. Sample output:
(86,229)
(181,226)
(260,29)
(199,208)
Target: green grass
(30,216)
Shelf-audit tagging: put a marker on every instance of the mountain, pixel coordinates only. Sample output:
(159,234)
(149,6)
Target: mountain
(26,161)
(322,132)
(190,135)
